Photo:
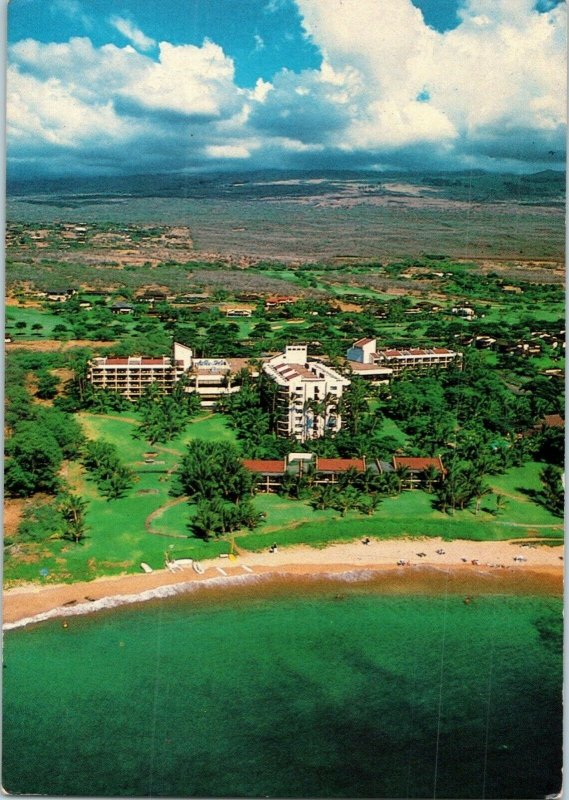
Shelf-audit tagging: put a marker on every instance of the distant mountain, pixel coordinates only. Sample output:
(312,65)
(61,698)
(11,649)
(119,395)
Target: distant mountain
(547,186)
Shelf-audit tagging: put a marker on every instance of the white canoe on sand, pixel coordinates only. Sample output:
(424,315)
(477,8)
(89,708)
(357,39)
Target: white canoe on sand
(197,567)
(146,567)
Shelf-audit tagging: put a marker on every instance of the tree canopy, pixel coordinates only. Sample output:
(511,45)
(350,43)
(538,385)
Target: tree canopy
(214,469)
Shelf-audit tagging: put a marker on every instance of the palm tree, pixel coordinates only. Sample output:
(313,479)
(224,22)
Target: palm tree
(402,474)
(389,483)
(72,509)
(330,405)
(501,502)
(553,492)
(349,478)
(369,503)
(482,490)
(118,482)
(453,491)
(312,410)
(355,404)
(206,522)
(346,499)
(430,476)
(324,497)
(368,481)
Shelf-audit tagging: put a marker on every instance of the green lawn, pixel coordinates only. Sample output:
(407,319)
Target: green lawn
(278,326)
(520,485)
(245,324)
(119,428)
(409,514)
(391,428)
(513,313)
(148,522)
(31,316)
(210,426)
(117,538)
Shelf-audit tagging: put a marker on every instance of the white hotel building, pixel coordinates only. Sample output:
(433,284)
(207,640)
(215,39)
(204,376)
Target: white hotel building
(363,355)
(210,378)
(308,394)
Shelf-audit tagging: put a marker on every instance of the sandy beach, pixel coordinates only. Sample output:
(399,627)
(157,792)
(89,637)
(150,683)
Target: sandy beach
(408,563)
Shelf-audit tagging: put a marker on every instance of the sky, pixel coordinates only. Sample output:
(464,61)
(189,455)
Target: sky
(106,87)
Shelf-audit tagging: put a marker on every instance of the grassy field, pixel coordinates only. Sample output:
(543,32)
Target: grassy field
(513,315)
(390,428)
(31,316)
(119,536)
(149,522)
(408,515)
(520,486)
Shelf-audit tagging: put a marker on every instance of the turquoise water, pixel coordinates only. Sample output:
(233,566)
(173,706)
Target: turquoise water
(338,692)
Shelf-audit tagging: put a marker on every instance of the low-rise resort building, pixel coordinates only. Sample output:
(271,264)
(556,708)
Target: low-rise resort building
(417,472)
(380,365)
(414,472)
(210,378)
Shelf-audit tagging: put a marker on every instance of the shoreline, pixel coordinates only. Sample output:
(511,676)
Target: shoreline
(463,567)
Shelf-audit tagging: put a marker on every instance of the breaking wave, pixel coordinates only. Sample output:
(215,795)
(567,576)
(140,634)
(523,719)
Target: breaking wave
(187,587)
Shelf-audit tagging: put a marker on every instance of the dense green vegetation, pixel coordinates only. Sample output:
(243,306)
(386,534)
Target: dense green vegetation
(104,483)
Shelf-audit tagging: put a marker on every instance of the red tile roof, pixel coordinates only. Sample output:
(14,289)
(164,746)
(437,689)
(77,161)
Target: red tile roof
(553,421)
(280,299)
(416,351)
(290,371)
(362,342)
(340,464)
(417,464)
(264,467)
(357,367)
(134,361)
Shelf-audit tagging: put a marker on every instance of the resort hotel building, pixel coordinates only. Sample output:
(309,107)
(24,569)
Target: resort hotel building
(412,473)
(363,356)
(307,394)
(210,378)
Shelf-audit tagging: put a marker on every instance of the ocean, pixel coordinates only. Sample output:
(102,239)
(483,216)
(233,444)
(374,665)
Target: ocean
(320,688)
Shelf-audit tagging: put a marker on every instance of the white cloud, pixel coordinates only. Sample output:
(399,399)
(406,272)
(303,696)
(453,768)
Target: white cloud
(73,10)
(502,68)
(261,90)
(90,73)
(118,104)
(47,112)
(189,80)
(224,151)
(492,90)
(132,33)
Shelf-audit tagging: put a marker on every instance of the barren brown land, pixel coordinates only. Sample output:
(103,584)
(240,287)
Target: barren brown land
(349,224)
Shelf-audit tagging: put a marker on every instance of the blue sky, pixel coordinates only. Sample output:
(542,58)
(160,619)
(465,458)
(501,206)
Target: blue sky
(111,87)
